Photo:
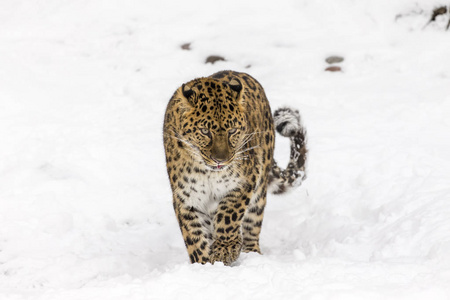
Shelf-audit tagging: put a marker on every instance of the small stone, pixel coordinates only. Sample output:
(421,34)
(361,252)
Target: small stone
(333,69)
(213,58)
(438,11)
(334,59)
(186,46)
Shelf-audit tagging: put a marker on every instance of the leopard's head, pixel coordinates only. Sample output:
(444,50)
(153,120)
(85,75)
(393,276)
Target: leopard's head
(213,123)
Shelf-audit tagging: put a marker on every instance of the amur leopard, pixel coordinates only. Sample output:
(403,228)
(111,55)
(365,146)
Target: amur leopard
(219,139)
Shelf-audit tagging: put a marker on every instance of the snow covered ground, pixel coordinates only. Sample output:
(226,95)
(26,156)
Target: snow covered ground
(85,205)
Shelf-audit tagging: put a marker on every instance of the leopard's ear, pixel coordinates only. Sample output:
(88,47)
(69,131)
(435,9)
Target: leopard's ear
(188,92)
(235,85)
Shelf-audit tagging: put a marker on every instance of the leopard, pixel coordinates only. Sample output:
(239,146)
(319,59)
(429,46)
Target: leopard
(219,138)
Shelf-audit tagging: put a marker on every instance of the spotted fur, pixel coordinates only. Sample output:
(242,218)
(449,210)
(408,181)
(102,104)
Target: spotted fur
(219,138)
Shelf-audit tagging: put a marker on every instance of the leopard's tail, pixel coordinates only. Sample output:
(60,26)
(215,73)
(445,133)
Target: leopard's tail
(287,123)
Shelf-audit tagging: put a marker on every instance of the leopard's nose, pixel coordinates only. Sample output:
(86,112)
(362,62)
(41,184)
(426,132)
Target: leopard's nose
(220,151)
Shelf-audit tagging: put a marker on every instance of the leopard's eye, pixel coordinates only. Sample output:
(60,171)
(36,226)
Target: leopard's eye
(232,131)
(205,131)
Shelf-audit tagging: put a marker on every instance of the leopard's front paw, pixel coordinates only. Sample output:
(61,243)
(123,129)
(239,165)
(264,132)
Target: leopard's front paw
(226,252)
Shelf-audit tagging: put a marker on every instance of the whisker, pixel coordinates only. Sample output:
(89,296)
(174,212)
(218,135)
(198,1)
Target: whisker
(193,153)
(246,140)
(248,137)
(248,149)
(190,149)
(255,132)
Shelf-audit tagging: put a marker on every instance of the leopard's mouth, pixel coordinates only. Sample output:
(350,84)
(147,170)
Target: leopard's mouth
(218,167)
(215,165)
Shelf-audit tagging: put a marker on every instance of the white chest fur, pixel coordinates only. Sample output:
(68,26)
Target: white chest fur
(207,190)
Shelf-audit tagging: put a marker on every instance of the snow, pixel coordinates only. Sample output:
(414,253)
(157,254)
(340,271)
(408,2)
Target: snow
(85,204)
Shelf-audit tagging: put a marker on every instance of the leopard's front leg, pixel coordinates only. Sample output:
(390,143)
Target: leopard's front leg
(196,234)
(228,239)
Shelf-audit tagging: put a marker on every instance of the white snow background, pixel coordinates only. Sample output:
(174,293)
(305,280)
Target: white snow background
(85,203)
